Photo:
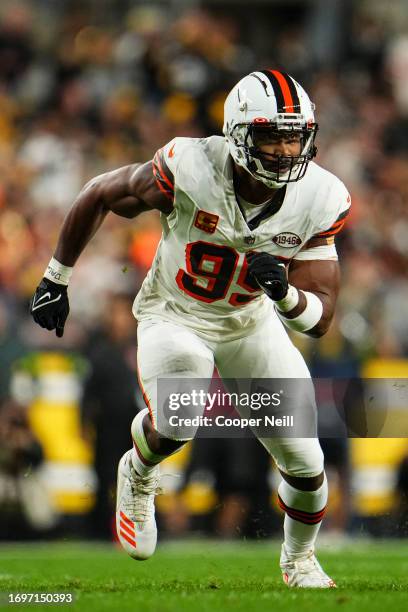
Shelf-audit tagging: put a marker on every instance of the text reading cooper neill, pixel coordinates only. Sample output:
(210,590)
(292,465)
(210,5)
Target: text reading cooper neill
(223,421)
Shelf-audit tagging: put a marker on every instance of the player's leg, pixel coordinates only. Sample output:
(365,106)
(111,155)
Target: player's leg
(164,350)
(269,353)
(303,495)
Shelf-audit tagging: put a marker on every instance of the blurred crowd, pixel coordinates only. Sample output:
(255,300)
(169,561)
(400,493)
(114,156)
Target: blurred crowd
(89,86)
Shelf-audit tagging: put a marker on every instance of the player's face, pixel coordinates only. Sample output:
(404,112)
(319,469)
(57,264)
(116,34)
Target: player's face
(274,145)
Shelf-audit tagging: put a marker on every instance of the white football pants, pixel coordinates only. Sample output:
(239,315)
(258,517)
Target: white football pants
(171,350)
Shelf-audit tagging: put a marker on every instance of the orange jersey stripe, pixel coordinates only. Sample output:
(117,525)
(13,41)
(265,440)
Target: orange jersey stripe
(163,190)
(337,224)
(332,231)
(162,181)
(159,174)
(161,171)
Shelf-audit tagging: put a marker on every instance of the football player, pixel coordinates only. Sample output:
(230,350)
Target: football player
(249,223)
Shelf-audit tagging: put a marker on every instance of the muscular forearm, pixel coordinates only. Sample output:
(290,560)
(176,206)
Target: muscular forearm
(312,297)
(81,223)
(327,315)
(126,192)
(309,308)
(305,298)
(114,191)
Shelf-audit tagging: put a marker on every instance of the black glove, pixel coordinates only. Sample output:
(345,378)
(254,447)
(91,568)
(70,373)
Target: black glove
(269,273)
(49,306)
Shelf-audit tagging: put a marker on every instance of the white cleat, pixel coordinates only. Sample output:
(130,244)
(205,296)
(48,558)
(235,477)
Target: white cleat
(135,520)
(305,572)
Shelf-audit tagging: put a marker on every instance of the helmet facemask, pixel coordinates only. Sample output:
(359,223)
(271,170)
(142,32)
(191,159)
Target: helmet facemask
(274,170)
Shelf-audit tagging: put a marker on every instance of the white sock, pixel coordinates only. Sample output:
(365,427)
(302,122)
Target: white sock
(143,459)
(304,511)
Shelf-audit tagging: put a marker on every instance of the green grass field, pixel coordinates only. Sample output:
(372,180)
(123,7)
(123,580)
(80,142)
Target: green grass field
(204,576)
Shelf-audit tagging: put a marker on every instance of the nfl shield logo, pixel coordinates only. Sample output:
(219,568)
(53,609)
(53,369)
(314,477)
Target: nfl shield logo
(249,239)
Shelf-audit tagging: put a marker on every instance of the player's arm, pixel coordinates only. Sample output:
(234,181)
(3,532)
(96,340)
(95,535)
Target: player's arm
(317,278)
(126,192)
(305,296)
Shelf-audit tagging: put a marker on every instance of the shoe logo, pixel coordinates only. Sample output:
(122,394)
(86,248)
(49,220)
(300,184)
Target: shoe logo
(36,305)
(127,529)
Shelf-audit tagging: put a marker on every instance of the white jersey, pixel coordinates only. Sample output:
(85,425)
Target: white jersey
(199,276)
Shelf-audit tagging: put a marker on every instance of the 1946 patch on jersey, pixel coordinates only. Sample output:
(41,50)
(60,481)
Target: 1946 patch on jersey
(287,240)
(206,221)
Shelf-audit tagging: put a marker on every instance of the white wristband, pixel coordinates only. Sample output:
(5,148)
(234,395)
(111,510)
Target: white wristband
(290,300)
(57,272)
(308,318)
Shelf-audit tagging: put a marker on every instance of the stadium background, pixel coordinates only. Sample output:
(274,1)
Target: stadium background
(89,86)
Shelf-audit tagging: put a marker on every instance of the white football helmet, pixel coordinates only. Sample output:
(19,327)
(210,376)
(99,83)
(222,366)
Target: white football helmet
(269,104)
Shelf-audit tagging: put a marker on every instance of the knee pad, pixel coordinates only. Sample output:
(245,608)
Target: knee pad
(307,461)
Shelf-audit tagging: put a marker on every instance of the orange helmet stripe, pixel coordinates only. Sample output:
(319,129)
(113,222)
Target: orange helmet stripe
(287,95)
